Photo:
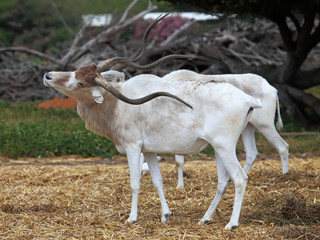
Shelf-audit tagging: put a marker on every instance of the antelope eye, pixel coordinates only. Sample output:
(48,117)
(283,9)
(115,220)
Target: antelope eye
(80,84)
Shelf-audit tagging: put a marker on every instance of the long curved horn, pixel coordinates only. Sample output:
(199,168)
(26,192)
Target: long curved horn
(102,66)
(115,92)
(122,63)
(142,47)
(145,37)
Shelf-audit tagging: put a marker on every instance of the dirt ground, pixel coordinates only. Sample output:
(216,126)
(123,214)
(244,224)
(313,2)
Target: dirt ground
(75,198)
(58,103)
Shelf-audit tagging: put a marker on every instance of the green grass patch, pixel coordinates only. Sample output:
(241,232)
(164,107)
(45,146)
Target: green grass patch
(27,112)
(26,131)
(297,144)
(315,91)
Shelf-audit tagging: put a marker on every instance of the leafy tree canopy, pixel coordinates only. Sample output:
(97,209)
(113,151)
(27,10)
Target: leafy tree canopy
(270,8)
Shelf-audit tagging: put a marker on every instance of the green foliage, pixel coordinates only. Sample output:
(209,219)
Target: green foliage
(26,131)
(28,23)
(262,7)
(38,23)
(292,125)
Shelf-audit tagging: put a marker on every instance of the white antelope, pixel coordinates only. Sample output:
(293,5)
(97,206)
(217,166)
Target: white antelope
(262,119)
(186,117)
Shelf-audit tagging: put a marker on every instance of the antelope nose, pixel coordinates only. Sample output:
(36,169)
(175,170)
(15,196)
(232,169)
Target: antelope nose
(47,76)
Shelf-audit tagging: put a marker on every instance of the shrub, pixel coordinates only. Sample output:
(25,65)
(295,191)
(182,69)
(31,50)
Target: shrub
(162,30)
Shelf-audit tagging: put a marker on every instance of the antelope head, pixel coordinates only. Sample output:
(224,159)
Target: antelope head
(89,79)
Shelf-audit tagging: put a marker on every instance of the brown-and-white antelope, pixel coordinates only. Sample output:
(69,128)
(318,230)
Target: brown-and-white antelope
(218,116)
(148,114)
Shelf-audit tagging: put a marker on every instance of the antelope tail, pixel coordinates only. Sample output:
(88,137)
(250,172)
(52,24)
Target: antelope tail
(279,123)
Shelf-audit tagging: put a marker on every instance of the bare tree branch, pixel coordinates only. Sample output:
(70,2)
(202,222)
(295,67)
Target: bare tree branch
(31,52)
(295,21)
(125,14)
(79,36)
(74,54)
(307,26)
(53,4)
(306,98)
(285,32)
(177,32)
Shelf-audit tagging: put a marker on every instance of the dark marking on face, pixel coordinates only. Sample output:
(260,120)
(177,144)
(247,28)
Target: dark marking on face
(87,74)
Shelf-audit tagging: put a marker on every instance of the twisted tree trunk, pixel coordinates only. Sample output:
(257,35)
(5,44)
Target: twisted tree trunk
(299,38)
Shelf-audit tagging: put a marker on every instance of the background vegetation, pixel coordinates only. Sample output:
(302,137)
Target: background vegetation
(49,26)
(27,131)
(46,25)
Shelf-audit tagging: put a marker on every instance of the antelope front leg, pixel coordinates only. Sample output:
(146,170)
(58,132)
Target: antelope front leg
(133,156)
(153,164)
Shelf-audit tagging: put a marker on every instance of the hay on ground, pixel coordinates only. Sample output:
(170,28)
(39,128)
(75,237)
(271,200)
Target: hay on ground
(67,198)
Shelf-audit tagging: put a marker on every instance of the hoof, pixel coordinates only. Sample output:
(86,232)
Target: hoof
(204,221)
(166,217)
(131,220)
(230,226)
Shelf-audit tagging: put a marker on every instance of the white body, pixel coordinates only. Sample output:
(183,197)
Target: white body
(262,119)
(219,115)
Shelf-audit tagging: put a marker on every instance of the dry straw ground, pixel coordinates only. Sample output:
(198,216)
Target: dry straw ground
(71,198)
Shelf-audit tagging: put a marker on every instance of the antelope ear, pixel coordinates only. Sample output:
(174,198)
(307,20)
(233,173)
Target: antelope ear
(121,77)
(96,94)
(113,76)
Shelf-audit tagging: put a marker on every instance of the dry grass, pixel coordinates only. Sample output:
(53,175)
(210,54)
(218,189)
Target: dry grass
(67,198)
